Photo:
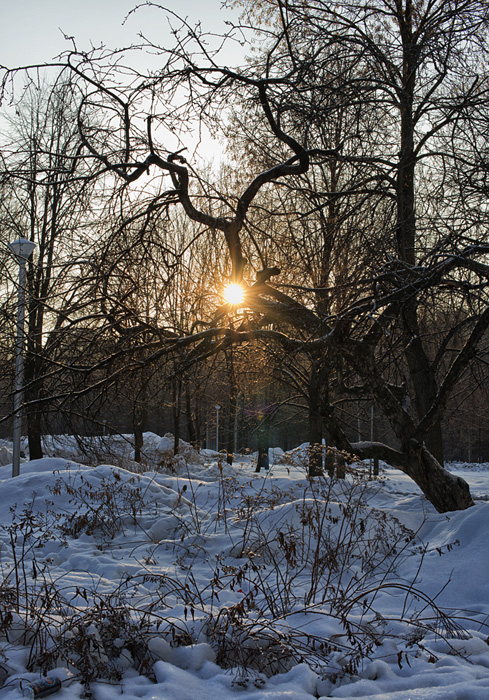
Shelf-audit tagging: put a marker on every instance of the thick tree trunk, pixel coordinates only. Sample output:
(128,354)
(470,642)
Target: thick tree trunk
(445,491)
(423,380)
(441,488)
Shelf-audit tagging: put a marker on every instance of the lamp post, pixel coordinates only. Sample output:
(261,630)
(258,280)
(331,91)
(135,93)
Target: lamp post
(22,248)
(218,408)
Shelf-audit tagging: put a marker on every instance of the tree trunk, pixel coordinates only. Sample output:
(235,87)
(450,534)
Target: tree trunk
(138,437)
(34,433)
(330,463)
(176,390)
(231,417)
(140,417)
(318,395)
(140,413)
(315,461)
(32,395)
(230,446)
(191,424)
(423,380)
(263,435)
(421,370)
(445,491)
(340,466)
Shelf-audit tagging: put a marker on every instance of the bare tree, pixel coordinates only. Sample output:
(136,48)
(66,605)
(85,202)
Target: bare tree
(403,60)
(48,195)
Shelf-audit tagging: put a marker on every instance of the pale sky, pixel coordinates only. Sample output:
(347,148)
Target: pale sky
(31,31)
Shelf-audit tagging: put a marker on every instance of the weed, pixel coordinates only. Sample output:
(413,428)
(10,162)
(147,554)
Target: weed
(104,509)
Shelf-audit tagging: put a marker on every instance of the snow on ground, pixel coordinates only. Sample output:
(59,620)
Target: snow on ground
(196,579)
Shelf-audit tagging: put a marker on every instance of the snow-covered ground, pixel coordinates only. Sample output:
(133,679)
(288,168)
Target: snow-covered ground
(193,579)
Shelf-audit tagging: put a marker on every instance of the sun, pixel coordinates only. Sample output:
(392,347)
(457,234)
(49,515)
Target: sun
(233,294)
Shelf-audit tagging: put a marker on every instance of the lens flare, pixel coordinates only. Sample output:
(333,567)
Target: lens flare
(233,294)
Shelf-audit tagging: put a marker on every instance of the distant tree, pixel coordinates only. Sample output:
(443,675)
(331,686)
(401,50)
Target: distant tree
(47,197)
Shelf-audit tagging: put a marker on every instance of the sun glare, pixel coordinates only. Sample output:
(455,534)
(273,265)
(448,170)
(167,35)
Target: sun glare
(233,294)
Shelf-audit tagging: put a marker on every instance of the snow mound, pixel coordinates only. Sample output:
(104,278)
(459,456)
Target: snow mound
(166,448)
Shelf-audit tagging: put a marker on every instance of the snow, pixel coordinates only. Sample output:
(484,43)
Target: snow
(191,578)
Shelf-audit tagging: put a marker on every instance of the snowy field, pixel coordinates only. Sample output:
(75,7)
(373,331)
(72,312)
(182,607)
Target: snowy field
(187,579)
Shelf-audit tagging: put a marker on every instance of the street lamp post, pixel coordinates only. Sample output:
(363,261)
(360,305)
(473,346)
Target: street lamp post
(22,248)
(218,408)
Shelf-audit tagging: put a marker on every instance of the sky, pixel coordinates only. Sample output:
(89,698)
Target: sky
(34,32)
(31,31)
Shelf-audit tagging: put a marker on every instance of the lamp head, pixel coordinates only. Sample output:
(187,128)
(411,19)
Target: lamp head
(22,247)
